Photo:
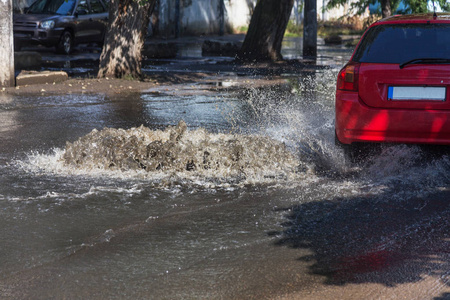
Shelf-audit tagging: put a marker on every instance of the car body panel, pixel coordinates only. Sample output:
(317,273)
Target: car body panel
(357,122)
(90,28)
(375,80)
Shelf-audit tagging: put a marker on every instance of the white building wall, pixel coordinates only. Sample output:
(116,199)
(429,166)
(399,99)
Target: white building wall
(196,17)
(206,17)
(239,12)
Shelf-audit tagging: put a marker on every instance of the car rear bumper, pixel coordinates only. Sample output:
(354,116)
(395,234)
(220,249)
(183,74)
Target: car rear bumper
(356,122)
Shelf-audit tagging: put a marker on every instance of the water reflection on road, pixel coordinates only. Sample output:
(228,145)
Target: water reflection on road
(66,234)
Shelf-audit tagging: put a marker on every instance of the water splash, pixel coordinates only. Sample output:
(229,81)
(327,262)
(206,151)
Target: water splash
(301,115)
(286,134)
(175,153)
(411,170)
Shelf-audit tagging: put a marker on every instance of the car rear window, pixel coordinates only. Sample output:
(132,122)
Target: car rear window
(397,43)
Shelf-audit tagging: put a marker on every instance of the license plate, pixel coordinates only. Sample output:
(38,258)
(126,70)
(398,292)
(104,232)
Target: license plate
(426,93)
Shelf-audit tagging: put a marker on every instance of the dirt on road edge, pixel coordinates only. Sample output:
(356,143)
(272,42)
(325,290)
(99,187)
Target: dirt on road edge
(108,86)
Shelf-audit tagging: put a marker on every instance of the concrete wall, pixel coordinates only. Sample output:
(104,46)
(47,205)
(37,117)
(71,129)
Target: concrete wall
(166,17)
(202,17)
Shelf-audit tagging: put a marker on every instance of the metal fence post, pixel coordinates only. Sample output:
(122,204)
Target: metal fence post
(310,29)
(6,44)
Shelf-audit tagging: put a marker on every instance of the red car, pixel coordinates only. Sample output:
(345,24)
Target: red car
(396,86)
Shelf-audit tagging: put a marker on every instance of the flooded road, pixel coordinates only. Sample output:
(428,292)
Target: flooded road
(272,211)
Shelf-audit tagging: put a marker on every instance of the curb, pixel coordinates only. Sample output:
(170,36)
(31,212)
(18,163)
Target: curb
(33,77)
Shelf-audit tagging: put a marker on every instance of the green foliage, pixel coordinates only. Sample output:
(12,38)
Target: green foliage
(130,77)
(420,6)
(359,6)
(415,6)
(242,29)
(142,2)
(324,29)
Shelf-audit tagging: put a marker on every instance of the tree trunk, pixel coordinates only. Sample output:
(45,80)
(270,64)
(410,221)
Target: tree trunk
(125,37)
(266,30)
(385,8)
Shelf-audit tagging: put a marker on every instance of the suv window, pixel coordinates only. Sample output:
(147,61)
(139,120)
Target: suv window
(97,7)
(83,8)
(106,3)
(397,43)
(59,7)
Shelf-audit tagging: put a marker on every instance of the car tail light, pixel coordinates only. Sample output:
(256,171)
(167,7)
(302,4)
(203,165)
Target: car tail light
(348,77)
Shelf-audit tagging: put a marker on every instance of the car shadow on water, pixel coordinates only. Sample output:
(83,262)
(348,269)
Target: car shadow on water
(445,296)
(372,239)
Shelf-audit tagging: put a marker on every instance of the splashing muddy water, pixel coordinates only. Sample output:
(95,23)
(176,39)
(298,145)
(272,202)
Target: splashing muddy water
(178,150)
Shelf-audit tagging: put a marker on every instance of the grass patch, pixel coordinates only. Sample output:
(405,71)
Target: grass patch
(240,30)
(293,30)
(324,31)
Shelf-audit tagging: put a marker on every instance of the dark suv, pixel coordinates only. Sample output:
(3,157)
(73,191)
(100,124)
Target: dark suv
(61,24)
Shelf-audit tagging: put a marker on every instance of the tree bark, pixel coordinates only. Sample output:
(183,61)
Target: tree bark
(386,8)
(266,31)
(125,37)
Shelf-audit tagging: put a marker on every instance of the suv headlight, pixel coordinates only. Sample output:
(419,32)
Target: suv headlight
(48,24)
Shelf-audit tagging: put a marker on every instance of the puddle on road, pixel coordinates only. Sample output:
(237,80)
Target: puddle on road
(90,192)
(256,134)
(234,132)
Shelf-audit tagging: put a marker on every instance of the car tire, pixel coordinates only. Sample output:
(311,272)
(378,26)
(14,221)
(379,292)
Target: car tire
(358,152)
(65,45)
(351,151)
(17,46)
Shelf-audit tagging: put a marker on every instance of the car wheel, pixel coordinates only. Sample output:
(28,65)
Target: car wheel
(358,152)
(351,151)
(65,45)
(17,46)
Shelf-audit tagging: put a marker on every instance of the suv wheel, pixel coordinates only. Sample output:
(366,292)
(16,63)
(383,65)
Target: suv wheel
(17,46)
(65,45)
